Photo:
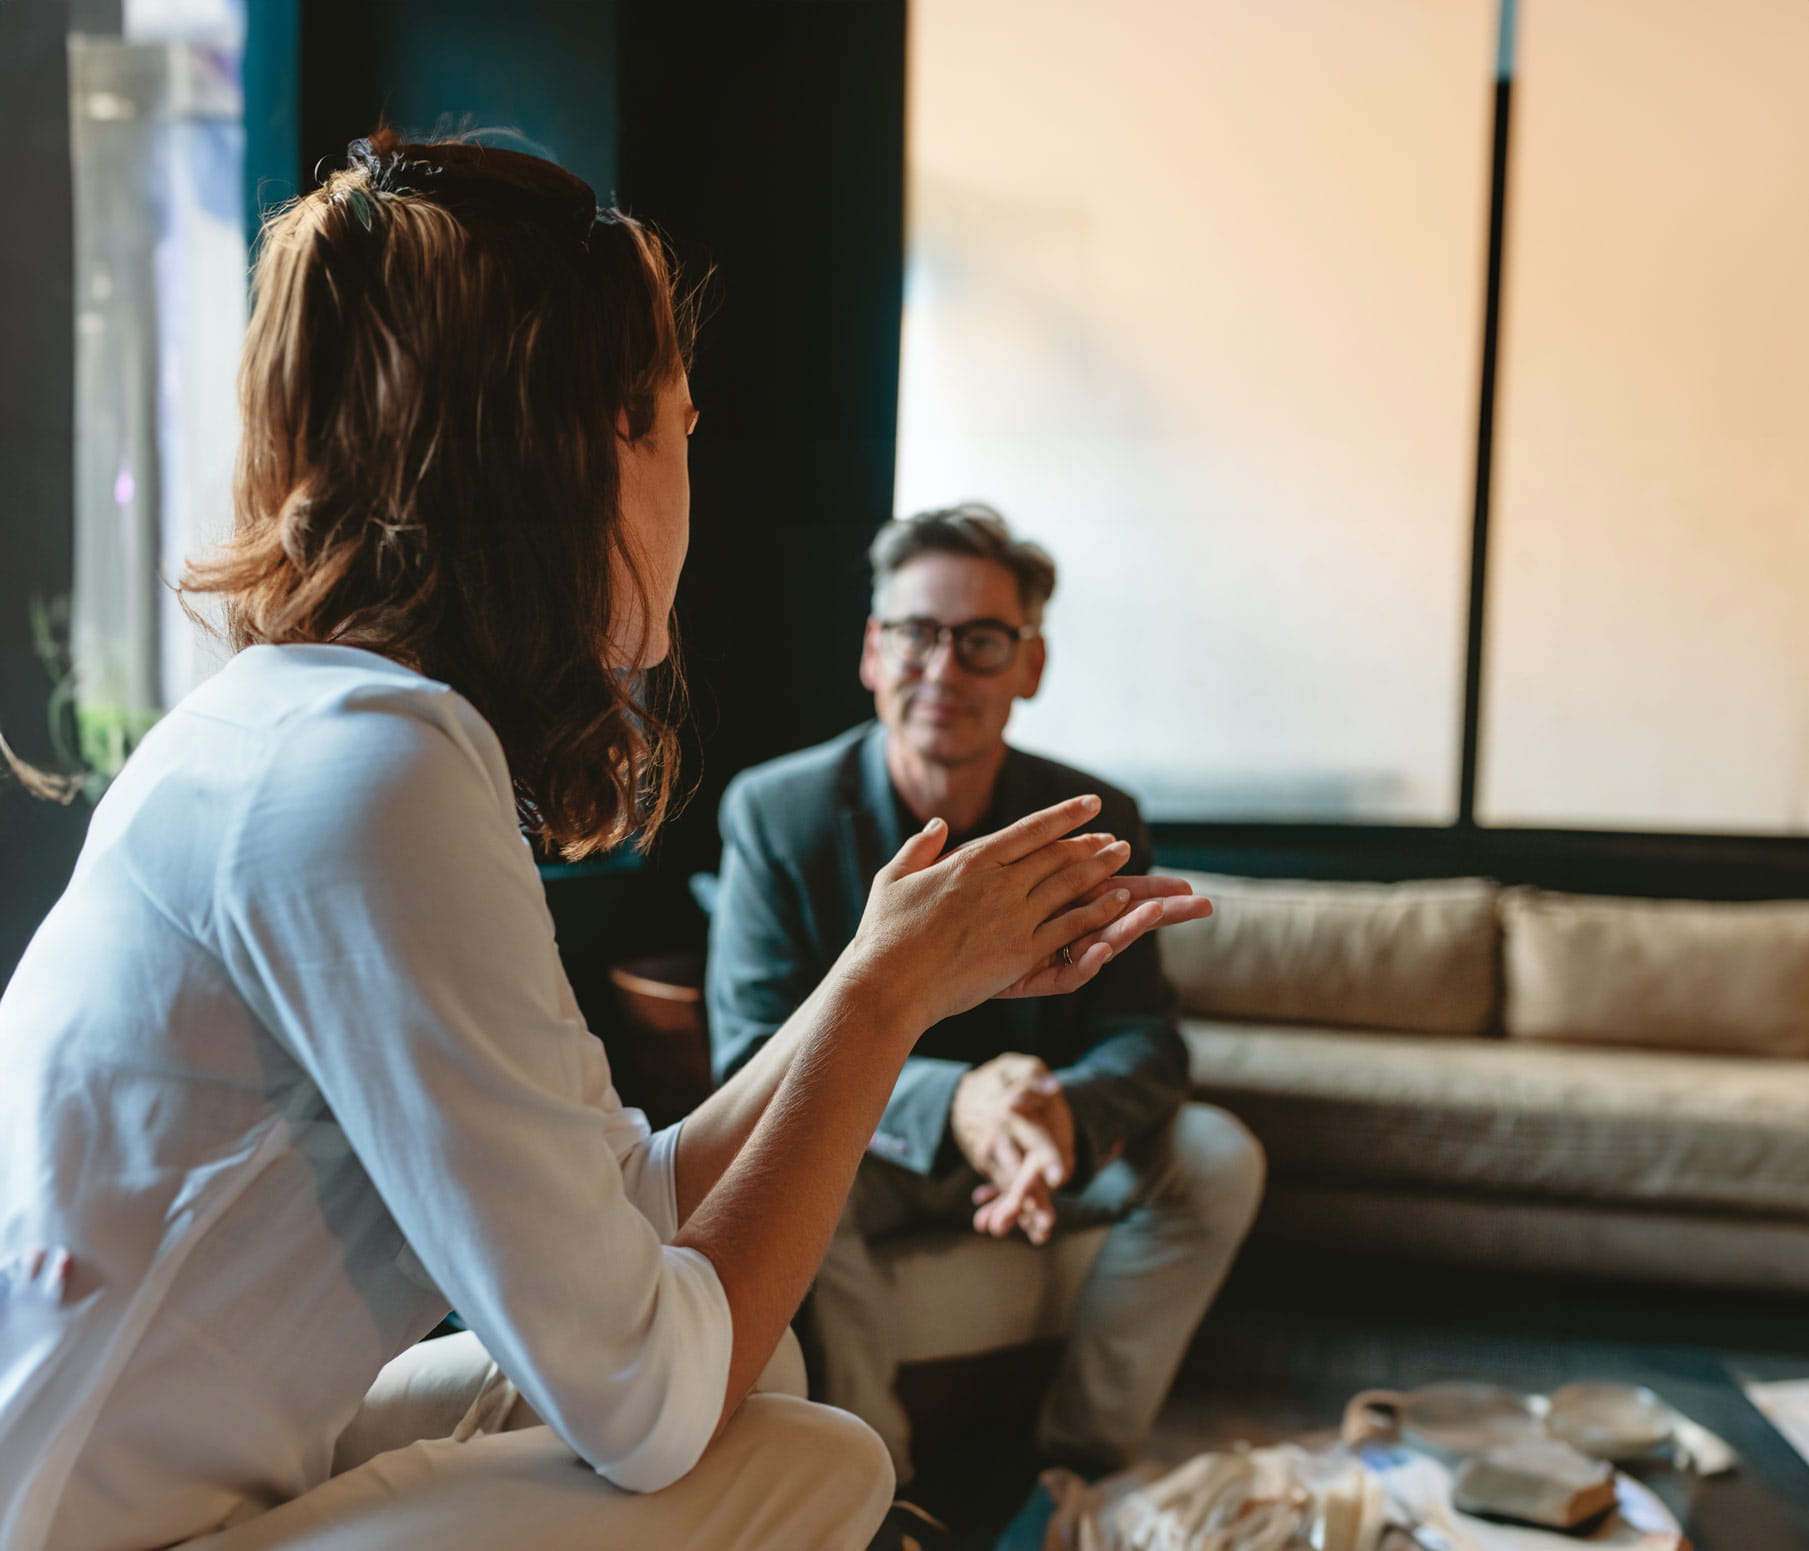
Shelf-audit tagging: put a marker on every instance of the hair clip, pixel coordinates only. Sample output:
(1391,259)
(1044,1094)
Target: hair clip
(391,171)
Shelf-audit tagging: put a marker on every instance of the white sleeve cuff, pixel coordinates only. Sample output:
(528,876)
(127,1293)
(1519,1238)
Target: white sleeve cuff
(697,1377)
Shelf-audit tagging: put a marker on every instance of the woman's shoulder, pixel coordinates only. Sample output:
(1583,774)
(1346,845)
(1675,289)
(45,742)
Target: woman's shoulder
(284,692)
(265,685)
(333,724)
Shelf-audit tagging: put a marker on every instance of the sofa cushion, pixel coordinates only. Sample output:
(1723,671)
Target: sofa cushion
(1676,974)
(1421,957)
(1547,1121)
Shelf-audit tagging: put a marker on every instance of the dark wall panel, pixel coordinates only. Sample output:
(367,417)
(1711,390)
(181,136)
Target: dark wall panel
(38,841)
(767,139)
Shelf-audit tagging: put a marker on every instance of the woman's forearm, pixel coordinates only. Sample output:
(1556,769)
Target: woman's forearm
(716,1131)
(784,1143)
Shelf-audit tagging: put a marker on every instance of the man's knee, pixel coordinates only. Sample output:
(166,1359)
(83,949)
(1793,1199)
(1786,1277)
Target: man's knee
(1220,1166)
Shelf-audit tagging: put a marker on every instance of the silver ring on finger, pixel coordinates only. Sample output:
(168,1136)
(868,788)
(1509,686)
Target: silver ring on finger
(1065,955)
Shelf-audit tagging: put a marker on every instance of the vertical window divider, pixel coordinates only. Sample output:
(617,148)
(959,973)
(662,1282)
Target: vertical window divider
(1485,417)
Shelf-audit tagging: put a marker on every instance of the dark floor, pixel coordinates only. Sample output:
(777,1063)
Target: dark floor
(1294,1335)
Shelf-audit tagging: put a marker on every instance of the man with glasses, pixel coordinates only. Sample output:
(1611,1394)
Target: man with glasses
(1029,1116)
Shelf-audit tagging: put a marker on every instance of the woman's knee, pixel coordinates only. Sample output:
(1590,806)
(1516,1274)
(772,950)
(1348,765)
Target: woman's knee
(423,1393)
(827,1462)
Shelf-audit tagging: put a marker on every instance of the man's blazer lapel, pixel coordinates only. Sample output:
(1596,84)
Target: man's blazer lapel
(1020,795)
(868,820)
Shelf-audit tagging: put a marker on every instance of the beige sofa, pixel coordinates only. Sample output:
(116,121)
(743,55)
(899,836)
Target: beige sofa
(1451,1069)
(1614,1087)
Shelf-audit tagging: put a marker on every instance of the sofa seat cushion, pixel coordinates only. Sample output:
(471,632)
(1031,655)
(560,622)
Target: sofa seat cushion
(1545,1121)
(958,1294)
(1422,958)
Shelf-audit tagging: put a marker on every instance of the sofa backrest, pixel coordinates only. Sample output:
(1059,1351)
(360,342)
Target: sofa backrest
(1677,974)
(1421,957)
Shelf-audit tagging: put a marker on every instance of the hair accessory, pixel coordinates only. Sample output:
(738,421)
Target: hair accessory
(570,208)
(361,206)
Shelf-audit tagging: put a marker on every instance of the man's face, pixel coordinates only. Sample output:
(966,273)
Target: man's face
(944,712)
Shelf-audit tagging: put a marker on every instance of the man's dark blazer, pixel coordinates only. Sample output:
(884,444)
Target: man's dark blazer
(802,839)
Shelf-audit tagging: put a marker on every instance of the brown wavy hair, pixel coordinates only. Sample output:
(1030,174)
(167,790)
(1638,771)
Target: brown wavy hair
(444,341)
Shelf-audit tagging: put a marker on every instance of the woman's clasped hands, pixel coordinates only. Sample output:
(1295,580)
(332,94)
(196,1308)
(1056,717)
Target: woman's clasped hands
(993,918)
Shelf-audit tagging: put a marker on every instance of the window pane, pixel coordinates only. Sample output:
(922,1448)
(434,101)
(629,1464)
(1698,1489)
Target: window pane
(157,156)
(1195,296)
(1648,641)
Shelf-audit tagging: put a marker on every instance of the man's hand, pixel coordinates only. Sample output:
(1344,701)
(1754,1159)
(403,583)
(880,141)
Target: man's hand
(995,1095)
(1014,1126)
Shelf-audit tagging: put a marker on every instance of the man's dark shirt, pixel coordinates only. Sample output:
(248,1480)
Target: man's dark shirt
(979,1028)
(803,837)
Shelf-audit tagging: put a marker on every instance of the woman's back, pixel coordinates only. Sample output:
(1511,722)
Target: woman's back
(236,1279)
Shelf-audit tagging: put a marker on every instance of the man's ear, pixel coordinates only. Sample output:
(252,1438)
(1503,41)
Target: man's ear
(1036,658)
(870,657)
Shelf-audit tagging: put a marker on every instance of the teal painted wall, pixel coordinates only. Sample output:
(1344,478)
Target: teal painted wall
(38,840)
(543,68)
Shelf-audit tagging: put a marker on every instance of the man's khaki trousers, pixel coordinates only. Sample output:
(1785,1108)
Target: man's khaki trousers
(1179,1206)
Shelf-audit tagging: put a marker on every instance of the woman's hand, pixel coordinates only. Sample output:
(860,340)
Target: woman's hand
(1153,901)
(943,935)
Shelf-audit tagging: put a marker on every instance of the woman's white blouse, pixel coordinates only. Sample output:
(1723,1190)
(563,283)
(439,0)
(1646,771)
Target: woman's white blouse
(291,1067)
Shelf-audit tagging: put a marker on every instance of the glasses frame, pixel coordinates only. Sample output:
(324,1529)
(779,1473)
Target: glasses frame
(954,636)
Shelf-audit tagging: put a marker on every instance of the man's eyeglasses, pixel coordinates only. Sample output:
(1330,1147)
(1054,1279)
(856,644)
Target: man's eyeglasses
(983,646)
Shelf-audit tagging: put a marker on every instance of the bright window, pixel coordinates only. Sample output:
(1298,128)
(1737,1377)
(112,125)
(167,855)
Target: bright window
(157,147)
(1195,296)
(1647,662)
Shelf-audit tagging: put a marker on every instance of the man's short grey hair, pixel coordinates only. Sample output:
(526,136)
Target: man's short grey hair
(971,528)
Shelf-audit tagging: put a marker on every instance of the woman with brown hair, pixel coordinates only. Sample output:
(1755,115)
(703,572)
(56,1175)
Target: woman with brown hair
(292,1066)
